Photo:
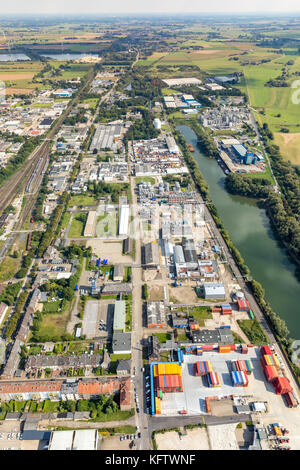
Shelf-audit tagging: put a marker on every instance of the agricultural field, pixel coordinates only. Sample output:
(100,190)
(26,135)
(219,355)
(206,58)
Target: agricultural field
(18,76)
(273,105)
(290,145)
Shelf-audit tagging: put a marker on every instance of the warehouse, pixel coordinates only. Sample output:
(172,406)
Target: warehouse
(189,250)
(182,81)
(118,272)
(121,343)
(156,316)
(214,290)
(150,255)
(217,336)
(123,220)
(107,137)
(119,315)
(81,439)
(117,289)
(90,224)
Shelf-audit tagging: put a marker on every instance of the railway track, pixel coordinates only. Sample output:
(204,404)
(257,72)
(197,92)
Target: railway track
(18,182)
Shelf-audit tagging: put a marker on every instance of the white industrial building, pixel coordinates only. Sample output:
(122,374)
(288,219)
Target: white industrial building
(123,220)
(214,290)
(83,439)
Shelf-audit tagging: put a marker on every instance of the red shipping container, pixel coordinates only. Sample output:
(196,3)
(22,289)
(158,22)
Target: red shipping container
(265,350)
(291,402)
(207,347)
(282,385)
(270,373)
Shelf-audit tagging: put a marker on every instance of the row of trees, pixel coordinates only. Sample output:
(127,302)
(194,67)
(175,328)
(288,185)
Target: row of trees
(17,161)
(54,225)
(250,187)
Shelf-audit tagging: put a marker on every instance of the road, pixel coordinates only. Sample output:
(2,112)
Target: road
(136,338)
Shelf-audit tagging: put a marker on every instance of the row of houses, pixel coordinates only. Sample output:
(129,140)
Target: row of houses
(56,390)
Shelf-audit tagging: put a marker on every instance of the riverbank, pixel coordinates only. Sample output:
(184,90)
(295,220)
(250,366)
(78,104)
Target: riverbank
(251,232)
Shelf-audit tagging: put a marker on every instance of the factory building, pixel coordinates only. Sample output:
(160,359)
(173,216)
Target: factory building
(214,290)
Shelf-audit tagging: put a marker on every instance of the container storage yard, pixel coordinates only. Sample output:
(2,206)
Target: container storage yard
(219,372)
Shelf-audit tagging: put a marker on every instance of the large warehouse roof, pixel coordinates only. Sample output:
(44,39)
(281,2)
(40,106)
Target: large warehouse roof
(119,315)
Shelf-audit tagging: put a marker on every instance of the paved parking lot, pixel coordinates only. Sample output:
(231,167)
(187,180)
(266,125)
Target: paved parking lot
(94,312)
(90,319)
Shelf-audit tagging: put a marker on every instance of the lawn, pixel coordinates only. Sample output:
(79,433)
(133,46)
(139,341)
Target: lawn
(51,307)
(92,102)
(200,314)
(66,219)
(253,331)
(77,226)
(162,337)
(146,179)
(82,200)
(8,268)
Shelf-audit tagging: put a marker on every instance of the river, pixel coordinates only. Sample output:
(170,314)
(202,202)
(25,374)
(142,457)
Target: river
(250,230)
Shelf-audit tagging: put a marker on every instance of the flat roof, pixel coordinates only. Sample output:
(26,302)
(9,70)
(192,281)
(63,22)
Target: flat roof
(119,315)
(85,439)
(61,440)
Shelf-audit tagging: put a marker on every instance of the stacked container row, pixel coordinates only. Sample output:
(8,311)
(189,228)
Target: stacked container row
(202,368)
(239,378)
(226,309)
(242,365)
(213,379)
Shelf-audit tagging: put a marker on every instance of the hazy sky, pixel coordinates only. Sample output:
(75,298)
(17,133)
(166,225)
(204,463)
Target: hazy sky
(146,6)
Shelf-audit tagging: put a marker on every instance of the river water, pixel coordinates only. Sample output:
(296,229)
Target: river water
(13,57)
(68,56)
(250,230)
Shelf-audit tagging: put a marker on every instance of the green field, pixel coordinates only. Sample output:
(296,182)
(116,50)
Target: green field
(77,226)
(82,200)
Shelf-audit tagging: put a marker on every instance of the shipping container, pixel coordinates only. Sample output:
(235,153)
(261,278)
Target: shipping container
(224,349)
(290,400)
(265,350)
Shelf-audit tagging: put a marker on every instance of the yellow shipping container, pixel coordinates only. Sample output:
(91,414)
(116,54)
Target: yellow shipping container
(224,349)
(277,431)
(157,406)
(268,360)
(171,368)
(277,364)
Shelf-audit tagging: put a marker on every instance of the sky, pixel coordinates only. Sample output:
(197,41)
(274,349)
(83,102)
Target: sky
(74,7)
